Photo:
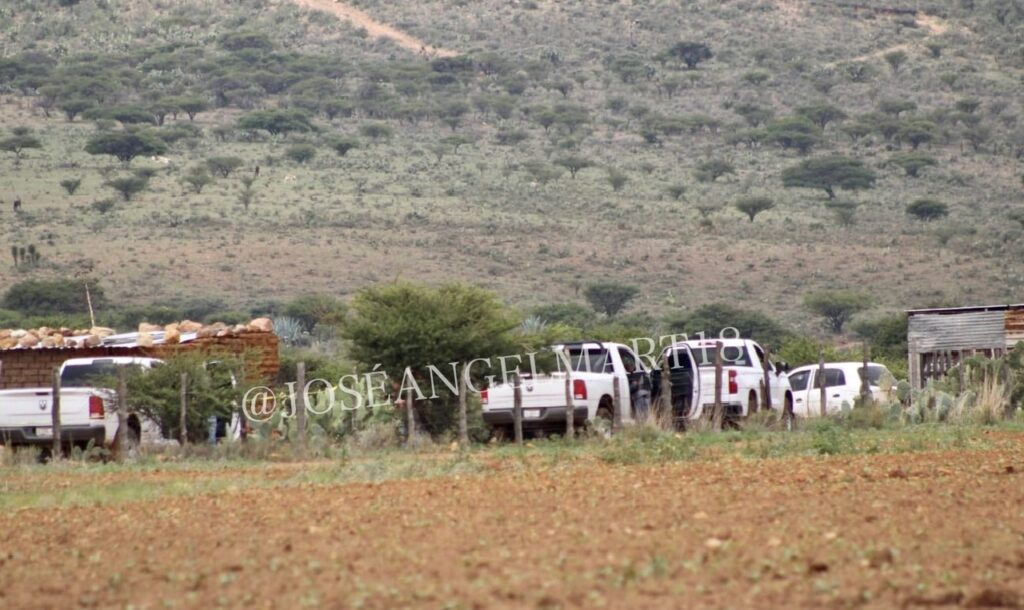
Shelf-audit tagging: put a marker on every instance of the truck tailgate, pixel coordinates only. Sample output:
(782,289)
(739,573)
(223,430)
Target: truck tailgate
(547,391)
(32,407)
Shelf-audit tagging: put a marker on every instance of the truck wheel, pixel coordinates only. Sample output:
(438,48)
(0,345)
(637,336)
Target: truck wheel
(752,403)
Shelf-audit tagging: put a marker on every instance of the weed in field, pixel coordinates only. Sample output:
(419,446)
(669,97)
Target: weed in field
(830,438)
(646,445)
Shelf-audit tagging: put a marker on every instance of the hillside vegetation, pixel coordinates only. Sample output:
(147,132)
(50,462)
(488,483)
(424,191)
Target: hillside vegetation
(678,147)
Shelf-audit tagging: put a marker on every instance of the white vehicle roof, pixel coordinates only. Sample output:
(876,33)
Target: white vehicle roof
(132,339)
(836,365)
(692,343)
(113,360)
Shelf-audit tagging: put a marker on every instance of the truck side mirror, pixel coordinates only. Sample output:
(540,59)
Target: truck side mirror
(782,367)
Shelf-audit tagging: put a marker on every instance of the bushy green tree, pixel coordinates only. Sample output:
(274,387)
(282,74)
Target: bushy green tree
(128,186)
(125,146)
(793,132)
(343,144)
(610,298)
(300,153)
(690,53)
(71,185)
(713,318)
(574,163)
(224,166)
(18,143)
(828,174)
(277,121)
(314,309)
(713,169)
(404,325)
(57,296)
(156,393)
(197,177)
(913,162)
(927,209)
(822,114)
(836,306)
(752,206)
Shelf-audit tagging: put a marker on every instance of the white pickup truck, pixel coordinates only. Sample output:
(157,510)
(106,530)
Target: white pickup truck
(593,368)
(87,412)
(692,371)
(842,386)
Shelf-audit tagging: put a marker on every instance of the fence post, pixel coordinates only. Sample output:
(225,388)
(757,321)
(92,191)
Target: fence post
(182,423)
(463,417)
(570,412)
(665,400)
(55,413)
(517,409)
(865,384)
(300,403)
(410,421)
(616,406)
(766,395)
(122,411)
(822,391)
(717,414)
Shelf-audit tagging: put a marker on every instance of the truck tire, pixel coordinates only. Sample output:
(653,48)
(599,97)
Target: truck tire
(752,403)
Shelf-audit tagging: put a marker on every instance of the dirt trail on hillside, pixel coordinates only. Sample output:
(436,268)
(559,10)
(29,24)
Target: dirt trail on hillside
(375,28)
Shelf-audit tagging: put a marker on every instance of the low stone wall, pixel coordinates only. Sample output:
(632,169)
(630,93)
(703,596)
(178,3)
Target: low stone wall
(32,368)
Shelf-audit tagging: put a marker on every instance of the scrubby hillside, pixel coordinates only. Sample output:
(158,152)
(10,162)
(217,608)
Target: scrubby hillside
(646,143)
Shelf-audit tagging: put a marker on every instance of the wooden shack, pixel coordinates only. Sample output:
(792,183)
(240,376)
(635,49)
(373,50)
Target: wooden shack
(939,339)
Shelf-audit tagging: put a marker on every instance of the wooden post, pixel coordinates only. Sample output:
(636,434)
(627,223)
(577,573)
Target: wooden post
(665,407)
(718,382)
(616,406)
(122,411)
(865,385)
(570,412)
(300,403)
(463,417)
(410,418)
(766,395)
(55,413)
(822,391)
(182,423)
(517,409)
(960,369)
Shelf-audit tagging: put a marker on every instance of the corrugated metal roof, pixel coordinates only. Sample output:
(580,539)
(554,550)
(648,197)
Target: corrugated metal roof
(957,310)
(966,330)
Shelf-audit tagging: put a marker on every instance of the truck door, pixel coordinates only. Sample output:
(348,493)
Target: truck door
(638,380)
(685,381)
(799,382)
(834,381)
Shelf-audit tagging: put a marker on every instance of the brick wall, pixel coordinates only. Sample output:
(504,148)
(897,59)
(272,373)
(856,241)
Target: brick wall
(32,368)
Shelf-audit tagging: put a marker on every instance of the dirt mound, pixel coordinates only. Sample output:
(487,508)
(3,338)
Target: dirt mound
(375,28)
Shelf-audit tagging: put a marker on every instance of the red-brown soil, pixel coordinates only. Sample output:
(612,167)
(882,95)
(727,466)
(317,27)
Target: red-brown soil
(932,529)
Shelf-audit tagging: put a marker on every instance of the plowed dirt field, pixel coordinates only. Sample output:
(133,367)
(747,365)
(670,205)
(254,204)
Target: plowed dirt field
(929,529)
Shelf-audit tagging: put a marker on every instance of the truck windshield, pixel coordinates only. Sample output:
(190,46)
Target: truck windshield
(875,373)
(98,373)
(591,360)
